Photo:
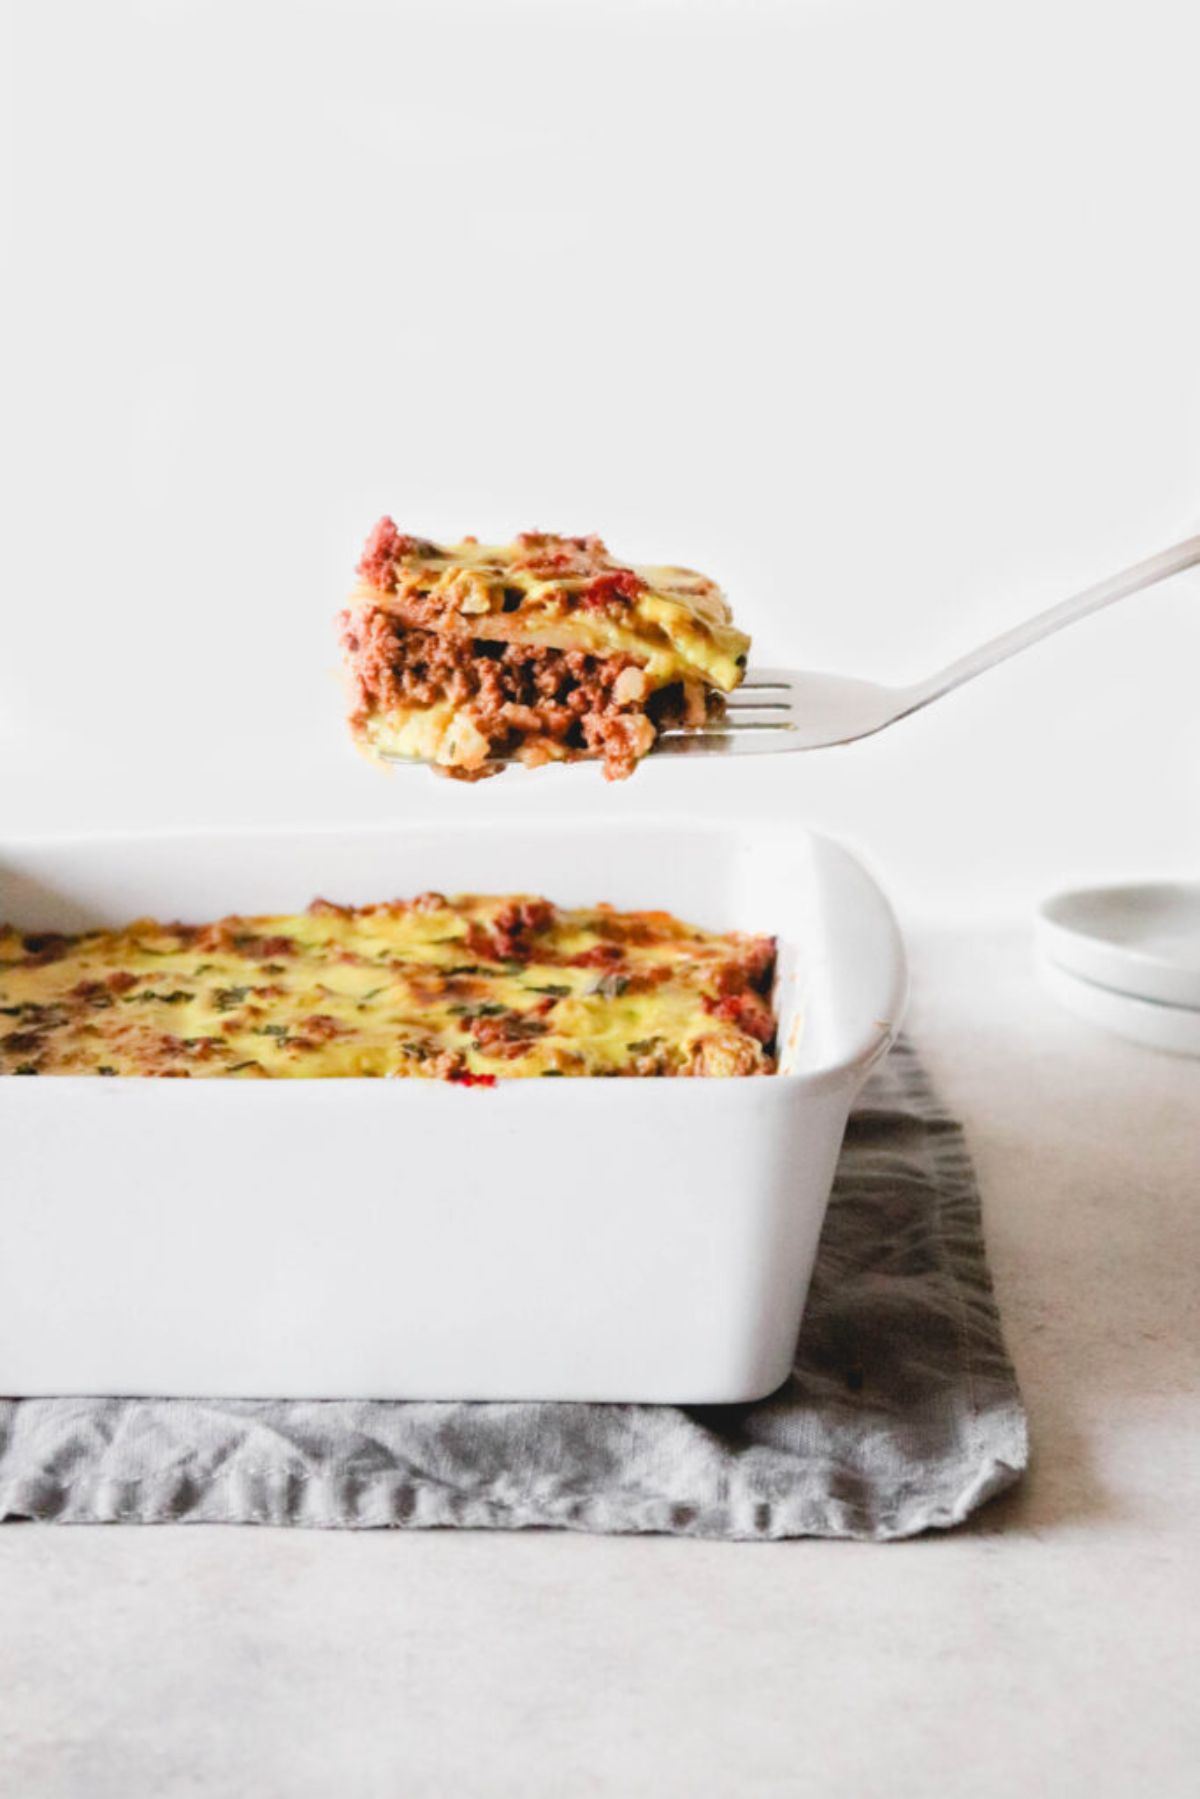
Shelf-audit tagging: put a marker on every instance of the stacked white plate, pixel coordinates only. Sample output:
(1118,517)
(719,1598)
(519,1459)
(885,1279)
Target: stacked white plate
(1128,959)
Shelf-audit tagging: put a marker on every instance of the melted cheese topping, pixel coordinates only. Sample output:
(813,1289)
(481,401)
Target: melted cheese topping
(464,989)
(565,593)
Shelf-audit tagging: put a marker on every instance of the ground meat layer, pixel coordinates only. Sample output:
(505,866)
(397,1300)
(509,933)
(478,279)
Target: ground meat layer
(525,700)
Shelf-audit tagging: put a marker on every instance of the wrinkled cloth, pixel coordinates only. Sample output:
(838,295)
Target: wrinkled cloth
(902,1413)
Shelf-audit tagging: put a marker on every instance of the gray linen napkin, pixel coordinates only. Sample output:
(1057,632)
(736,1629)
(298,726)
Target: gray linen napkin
(902,1413)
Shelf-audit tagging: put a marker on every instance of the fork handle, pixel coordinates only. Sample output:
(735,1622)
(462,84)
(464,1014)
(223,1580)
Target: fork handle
(1010,643)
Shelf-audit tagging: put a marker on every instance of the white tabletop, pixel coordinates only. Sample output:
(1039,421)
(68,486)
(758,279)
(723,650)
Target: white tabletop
(1052,1648)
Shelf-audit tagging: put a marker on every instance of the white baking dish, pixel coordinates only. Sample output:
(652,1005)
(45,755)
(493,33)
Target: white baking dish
(581,1239)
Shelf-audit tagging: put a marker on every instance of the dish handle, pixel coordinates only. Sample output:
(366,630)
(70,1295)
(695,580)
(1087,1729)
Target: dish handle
(867,958)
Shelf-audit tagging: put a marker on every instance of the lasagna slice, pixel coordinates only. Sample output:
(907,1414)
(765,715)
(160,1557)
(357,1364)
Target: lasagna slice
(467,655)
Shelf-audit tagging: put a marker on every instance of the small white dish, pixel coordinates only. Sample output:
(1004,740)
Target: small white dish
(1142,940)
(1147,1021)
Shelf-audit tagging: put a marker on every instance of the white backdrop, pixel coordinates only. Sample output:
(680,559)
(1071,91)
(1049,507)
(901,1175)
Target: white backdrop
(883,314)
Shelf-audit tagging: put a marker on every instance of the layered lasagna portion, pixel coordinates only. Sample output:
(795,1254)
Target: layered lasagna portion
(464,989)
(467,655)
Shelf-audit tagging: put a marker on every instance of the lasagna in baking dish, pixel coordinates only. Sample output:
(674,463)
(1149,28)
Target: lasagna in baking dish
(547,649)
(463,989)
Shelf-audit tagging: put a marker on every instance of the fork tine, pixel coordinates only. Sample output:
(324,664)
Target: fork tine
(734,704)
(726,728)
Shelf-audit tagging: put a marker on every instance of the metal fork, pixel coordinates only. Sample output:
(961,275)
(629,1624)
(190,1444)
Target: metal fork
(778,709)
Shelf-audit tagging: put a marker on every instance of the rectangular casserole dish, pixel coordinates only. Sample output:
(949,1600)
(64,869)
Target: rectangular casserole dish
(580,1239)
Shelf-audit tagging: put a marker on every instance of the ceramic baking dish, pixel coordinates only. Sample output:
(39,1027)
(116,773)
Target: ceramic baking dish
(582,1239)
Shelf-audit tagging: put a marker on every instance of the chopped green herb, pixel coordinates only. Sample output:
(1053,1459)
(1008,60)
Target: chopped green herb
(106,1070)
(42,1017)
(552,987)
(226,998)
(643,1045)
(25,1068)
(235,1067)
(484,1011)
(372,994)
(609,986)
(166,999)
(271,1030)
(549,1073)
